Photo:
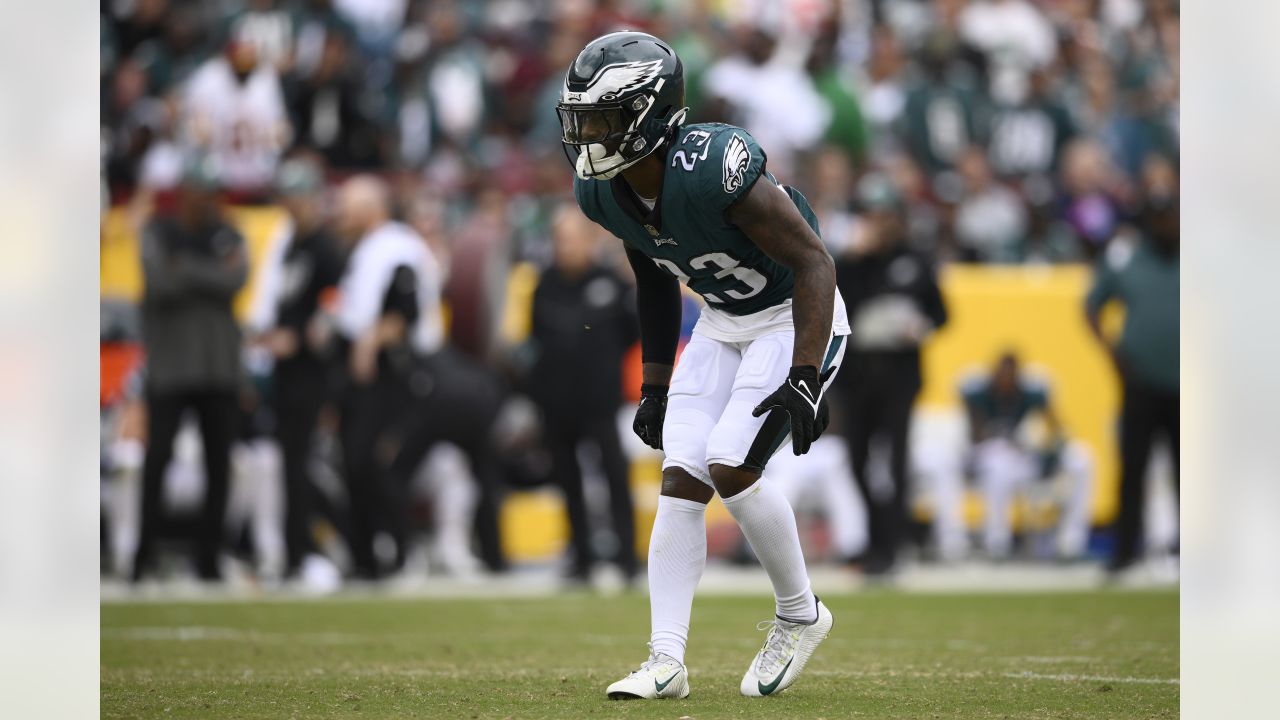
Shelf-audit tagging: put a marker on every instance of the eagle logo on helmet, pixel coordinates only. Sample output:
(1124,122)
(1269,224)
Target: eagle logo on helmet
(613,81)
(737,156)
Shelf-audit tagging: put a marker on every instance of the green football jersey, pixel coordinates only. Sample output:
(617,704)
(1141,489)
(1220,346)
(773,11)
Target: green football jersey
(709,166)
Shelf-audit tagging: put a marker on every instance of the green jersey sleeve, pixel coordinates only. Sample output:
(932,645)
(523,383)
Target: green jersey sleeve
(735,162)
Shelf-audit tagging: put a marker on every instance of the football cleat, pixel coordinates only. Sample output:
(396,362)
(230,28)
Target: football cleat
(661,676)
(787,648)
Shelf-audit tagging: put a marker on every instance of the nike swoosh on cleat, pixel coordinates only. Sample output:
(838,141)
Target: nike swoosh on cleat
(766,689)
(663,685)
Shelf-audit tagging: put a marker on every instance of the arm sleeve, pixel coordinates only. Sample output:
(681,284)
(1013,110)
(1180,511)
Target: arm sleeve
(658,308)
(628,320)
(402,294)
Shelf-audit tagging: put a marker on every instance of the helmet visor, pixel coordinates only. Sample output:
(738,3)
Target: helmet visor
(587,124)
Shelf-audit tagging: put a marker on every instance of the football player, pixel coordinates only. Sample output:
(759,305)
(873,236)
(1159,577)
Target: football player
(695,203)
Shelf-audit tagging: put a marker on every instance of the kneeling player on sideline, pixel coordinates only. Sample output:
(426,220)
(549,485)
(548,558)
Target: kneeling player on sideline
(695,203)
(1005,464)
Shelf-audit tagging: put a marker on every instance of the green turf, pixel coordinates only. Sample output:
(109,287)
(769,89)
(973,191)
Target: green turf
(890,655)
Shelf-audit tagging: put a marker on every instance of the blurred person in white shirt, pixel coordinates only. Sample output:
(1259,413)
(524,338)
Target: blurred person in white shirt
(1016,38)
(761,89)
(233,109)
(990,219)
(388,316)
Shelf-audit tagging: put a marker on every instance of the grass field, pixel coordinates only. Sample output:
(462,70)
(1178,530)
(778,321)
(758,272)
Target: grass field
(890,655)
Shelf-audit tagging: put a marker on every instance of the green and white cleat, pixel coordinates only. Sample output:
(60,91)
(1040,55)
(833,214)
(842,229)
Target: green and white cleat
(661,676)
(786,650)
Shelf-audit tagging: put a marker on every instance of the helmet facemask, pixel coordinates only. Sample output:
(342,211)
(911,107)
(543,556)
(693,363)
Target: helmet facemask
(603,139)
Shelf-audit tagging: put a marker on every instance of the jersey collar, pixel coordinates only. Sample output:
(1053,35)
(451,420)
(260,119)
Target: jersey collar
(629,202)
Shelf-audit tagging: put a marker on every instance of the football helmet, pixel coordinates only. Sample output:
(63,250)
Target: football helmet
(622,95)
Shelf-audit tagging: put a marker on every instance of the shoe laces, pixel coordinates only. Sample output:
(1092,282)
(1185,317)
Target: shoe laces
(779,644)
(655,659)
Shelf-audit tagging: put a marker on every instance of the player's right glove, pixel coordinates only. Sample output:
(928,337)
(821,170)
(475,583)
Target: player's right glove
(650,414)
(802,399)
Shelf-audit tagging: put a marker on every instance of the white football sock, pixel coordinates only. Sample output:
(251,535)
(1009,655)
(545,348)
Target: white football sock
(769,524)
(677,557)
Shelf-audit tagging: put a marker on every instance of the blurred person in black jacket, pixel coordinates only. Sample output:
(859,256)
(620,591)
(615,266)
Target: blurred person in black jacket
(305,262)
(583,323)
(893,303)
(193,265)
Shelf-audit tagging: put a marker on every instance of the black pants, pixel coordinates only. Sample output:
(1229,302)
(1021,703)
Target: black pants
(1146,414)
(216,411)
(369,413)
(563,437)
(300,392)
(456,401)
(878,395)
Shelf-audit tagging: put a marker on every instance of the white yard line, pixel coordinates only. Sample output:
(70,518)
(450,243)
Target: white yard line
(1056,659)
(1067,677)
(193,633)
(928,675)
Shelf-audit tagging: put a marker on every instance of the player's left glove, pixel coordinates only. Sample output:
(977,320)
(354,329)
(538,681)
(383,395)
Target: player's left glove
(801,398)
(650,414)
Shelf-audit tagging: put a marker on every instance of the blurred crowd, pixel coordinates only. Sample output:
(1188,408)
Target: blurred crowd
(1016,130)
(967,131)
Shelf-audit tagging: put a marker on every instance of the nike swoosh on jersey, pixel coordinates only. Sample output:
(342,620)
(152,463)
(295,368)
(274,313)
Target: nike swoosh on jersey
(766,689)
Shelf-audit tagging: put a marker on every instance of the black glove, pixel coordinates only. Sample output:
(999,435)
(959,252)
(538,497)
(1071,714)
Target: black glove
(650,414)
(801,398)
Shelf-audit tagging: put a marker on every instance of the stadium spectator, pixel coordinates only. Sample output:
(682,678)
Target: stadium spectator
(1142,275)
(847,129)
(233,111)
(756,88)
(193,265)
(942,113)
(885,92)
(1007,459)
(326,107)
(990,219)
(1028,132)
(1015,37)
(893,303)
(1089,205)
(583,323)
(303,262)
